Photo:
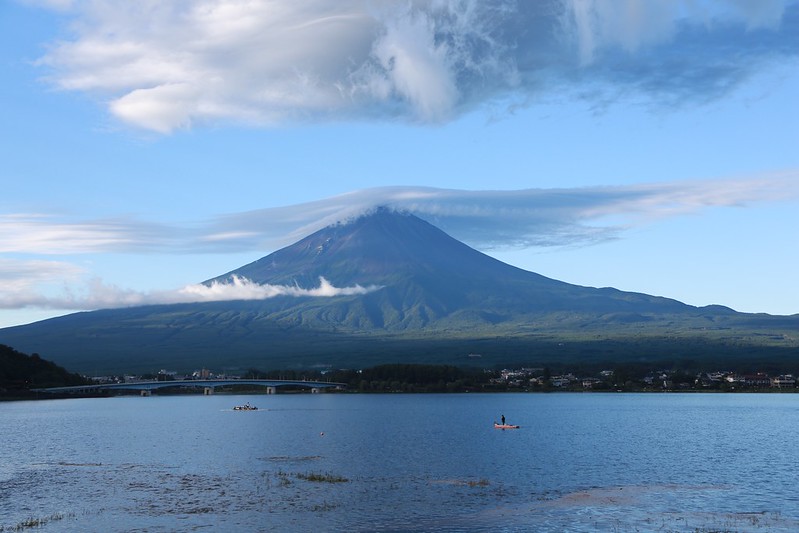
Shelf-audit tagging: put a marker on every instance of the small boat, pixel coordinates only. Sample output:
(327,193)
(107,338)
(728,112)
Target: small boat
(245,407)
(505,426)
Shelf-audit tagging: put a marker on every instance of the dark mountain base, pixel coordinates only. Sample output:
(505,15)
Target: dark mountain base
(137,345)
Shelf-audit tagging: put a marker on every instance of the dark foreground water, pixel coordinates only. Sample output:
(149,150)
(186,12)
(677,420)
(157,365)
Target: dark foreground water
(580,462)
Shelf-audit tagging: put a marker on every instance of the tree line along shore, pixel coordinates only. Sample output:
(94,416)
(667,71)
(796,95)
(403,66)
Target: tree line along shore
(19,373)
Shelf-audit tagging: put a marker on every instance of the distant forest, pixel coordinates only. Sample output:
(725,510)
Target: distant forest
(396,378)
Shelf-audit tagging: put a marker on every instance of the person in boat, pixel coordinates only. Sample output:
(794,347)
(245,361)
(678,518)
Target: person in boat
(503,420)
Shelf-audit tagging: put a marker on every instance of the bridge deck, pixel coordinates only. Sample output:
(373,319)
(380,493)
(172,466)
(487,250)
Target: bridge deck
(211,383)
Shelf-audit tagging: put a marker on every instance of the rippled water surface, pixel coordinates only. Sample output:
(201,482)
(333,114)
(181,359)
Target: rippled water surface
(579,462)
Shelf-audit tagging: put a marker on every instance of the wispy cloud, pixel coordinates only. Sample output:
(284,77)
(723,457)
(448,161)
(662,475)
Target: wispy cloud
(168,64)
(513,219)
(57,235)
(94,294)
(484,219)
(19,276)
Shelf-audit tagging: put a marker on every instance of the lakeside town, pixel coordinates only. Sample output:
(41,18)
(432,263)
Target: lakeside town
(434,378)
(24,374)
(662,380)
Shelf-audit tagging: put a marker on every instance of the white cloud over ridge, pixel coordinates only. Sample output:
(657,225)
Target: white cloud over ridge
(95,294)
(164,65)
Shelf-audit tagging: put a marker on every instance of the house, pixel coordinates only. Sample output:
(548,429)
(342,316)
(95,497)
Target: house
(590,383)
(784,382)
(563,381)
(756,380)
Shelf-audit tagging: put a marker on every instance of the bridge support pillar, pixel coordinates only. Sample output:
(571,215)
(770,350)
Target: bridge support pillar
(208,391)
(271,390)
(146,392)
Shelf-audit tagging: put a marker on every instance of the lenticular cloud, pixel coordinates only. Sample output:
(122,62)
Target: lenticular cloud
(170,64)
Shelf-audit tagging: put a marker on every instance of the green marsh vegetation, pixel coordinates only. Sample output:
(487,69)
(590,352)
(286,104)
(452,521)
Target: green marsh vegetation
(30,523)
(319,477)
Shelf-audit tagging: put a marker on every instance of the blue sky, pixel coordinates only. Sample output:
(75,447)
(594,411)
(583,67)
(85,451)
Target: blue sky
(651,146)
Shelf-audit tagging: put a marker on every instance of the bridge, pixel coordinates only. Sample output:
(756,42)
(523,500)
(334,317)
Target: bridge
(208,385)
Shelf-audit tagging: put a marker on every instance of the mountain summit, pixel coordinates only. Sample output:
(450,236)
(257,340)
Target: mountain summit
(425,275)
(431,299)
(377,248)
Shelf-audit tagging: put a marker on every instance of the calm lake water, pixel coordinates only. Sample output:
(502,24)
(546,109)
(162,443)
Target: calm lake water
(333,462)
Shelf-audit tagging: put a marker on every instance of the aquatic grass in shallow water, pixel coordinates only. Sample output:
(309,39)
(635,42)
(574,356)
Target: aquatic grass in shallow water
(464,482)
(325,506)
(30,523)
(290,459)
(321,477)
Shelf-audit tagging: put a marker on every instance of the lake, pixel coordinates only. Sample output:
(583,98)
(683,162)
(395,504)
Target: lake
(397,462)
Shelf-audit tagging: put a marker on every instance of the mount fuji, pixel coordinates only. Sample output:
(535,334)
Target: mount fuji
(400,290)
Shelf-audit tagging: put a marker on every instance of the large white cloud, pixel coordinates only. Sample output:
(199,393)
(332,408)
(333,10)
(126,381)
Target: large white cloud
(163,65)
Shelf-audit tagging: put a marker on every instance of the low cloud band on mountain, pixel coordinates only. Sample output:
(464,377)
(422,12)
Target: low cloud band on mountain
(98,295)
